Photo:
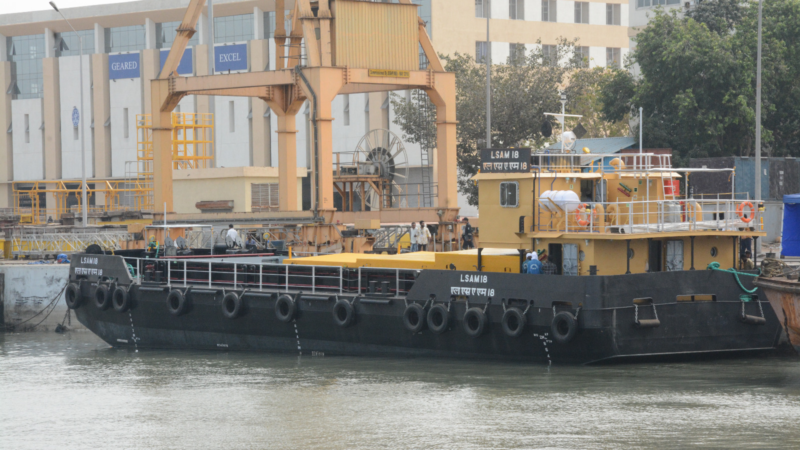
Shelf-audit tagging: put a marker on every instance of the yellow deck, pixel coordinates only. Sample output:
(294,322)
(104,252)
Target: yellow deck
(493,260)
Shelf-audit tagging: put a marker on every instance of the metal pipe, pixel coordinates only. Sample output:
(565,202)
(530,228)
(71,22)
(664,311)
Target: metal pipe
(640,130)
(316,139)
(480,250)
(692,252)
(489,77)
(628,255)
(758,112)
(84,204)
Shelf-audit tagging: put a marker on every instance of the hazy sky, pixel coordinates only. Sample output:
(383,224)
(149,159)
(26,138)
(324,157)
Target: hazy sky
(15,6)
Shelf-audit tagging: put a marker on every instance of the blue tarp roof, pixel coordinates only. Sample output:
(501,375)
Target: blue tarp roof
(599,146)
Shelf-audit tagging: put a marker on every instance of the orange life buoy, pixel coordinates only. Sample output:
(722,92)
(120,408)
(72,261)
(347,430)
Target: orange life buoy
(578,218)
(740,211)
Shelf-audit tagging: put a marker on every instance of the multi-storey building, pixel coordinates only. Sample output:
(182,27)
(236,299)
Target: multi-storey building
(125,44)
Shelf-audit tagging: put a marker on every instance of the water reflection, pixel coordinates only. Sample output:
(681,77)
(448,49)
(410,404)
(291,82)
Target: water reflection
(72,391)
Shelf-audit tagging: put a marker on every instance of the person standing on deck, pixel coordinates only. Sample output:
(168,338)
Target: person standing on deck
(467,237)
(232,237)
(533,266)
(424,236)
(414,236)
(548,268)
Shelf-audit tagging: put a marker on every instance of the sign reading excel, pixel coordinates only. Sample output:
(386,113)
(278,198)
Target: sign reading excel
(389,73)
(123,65)
(230,57)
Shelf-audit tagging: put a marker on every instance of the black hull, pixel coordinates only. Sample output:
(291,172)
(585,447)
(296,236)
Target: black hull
(604,306)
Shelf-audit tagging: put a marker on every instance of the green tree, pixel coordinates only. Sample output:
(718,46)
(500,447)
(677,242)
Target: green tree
(523,89)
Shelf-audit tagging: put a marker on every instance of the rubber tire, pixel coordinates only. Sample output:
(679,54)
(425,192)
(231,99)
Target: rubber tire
(102,298)
(442,313)
(73,296)
(513,314)
(343,306)
(231,299)
(180,300)
(287,303)
(563,319)
(477,315)
(414,310)
(121,299)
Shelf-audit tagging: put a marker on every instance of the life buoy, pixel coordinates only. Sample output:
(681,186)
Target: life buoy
(73,296)
(176,302)
(578,212)
(414,318)
(740,210)
(343,313)
(474,322)
(438,318)
(513,322)
(285,308)
(231,305)
(564,327)
(121,299)
(101,297)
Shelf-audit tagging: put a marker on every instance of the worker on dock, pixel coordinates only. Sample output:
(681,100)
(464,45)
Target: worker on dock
(424,236)
(548,268)
(467,236)
(414,236)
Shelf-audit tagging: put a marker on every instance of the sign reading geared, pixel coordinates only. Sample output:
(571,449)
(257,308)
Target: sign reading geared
(505,160)
(123,65)
(230,57)
(185,66)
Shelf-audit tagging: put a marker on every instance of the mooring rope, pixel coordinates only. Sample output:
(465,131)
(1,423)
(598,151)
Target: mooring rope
(715,266)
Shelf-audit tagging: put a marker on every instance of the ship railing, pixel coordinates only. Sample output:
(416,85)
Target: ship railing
(639,217)
(272,277)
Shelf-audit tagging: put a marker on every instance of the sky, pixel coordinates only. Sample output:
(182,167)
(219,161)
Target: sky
(12,6)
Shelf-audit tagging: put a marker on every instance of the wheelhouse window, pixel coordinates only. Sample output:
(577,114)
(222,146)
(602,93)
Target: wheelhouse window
(509,194)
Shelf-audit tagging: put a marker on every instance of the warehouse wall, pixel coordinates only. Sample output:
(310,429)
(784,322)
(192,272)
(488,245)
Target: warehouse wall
(70,98)
(28,146)
(127,94)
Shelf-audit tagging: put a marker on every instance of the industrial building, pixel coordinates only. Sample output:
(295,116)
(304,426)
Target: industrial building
(126,44)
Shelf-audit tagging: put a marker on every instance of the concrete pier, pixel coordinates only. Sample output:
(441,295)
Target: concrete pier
(27,293)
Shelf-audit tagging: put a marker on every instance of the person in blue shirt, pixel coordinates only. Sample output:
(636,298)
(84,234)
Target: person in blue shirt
(532,265)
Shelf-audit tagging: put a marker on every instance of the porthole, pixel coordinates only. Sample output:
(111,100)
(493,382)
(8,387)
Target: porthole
(714,252)
(630,253)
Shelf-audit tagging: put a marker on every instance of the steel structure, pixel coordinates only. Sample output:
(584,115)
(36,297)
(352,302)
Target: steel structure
(38,242)
(350,47)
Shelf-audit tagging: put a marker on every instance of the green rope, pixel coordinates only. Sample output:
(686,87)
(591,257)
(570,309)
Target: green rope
(715,266)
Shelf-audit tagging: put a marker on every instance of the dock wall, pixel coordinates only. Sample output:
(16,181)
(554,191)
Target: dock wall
(27,290)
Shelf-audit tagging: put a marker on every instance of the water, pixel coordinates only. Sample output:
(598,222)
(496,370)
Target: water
(72,391)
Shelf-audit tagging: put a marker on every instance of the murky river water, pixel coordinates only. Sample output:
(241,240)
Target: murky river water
(72,391)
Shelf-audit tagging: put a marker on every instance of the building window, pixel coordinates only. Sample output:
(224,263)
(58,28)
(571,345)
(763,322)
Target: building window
(509,194)
(582,54)
(481,52)
(516,53)
(646,3)
(27,52)
(75,134)
(27,128)
(581,12)
(482,8)
(233,28)
(346,98)
(550,55)
(269,25)
(231,118)
(125,129)
(125,39)
(549,11)
(613,14)
(166,32)
(67,44)
(613,58)
(516,9)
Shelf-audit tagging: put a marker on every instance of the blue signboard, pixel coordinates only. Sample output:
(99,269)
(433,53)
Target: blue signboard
(185,66)
(230,57)
(123,65)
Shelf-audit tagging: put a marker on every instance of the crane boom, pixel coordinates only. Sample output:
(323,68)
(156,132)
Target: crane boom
(185,32)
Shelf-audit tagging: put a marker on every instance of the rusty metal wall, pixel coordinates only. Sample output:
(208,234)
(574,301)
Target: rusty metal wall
(376,35)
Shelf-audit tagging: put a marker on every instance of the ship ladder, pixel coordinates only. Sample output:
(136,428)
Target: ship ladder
(646,323)
(752,320)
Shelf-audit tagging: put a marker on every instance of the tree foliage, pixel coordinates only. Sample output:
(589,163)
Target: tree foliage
(523,89)
(698,76)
